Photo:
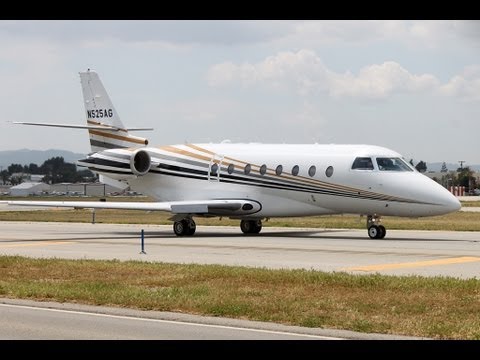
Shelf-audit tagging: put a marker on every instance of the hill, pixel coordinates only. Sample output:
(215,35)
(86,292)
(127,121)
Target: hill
(27,156)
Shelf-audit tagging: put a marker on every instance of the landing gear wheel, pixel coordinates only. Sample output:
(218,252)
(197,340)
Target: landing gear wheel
(180,227)
(377,232)
(184,227)
(191,227)
(383,231)
(374,231)
(251,226)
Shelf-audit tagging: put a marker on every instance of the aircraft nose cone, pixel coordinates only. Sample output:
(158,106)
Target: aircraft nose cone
(452,204)
(448,202)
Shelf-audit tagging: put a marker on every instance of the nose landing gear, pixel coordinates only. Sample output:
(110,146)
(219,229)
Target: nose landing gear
(375,230)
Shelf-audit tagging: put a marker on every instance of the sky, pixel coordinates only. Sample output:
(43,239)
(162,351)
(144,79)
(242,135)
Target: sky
(411,86)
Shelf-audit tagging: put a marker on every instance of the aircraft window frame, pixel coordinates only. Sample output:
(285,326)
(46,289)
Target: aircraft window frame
(247,169)
(263,169)
(279,170)
(329,171)
(396,164)
(364,163)
(295,170)
(312,170)
(231,168)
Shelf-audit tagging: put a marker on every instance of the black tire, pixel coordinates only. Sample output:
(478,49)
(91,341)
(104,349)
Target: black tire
(251,226)
(257,227)
(383,231)
(191,227)
(374,232)
(180,227)
(245,226)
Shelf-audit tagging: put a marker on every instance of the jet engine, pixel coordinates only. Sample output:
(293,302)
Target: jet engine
(140,162)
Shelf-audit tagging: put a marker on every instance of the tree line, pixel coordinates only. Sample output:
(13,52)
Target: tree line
(55,170)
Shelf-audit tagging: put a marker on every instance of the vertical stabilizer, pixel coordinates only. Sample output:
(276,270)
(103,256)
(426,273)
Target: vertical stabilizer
(101,112)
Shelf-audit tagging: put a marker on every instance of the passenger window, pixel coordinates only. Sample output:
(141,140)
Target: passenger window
(247,169)
(230,169)
(279,170)
(362,163)
(329,171)
(312,170)
(263,169)
(295,170)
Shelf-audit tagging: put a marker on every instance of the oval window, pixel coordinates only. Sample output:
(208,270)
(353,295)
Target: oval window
(329,171)
(230,169)
(263,169)
(247,169)
(312,170)
(279,170)
(295,170)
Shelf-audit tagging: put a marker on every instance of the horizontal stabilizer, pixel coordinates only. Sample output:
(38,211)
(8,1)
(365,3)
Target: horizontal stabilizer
(90,127)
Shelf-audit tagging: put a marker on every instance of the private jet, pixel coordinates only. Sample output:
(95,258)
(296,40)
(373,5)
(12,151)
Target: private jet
(250,182)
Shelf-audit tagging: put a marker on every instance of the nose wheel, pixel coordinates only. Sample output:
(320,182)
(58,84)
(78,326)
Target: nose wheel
(375,230)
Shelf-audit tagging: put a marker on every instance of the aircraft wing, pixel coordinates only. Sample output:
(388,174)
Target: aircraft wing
(221,207)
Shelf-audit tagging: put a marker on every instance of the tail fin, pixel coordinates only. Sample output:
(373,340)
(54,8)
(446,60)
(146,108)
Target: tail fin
(101,112)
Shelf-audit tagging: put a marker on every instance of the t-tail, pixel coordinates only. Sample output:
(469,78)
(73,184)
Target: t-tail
(105,129)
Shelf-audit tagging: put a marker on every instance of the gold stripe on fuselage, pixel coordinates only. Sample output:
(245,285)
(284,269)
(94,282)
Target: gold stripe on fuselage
(116,137)
(293,180)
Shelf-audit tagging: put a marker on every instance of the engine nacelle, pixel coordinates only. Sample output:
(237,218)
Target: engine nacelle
(140,162)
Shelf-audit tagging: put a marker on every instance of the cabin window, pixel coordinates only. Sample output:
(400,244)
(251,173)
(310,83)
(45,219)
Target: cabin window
(392,164)
(247,169)
(312,170)
(329,171)
(263,169)
(230,168)
(279,170)
(295,170)
(214,169)
(362,163)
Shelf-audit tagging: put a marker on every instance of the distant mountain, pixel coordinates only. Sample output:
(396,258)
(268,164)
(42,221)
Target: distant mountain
(26,156)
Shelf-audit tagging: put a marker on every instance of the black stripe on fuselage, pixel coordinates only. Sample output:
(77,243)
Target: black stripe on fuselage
(104,162)
(251,180)
(189,173)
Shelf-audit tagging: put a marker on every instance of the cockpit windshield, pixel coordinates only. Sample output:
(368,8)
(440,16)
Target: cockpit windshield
(392,164)
(362,163)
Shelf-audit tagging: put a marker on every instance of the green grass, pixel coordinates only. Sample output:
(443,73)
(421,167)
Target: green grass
(439,307)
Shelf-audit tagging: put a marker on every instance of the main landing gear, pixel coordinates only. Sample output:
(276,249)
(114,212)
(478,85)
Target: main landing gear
(184,227)
(375,230)
(251,226)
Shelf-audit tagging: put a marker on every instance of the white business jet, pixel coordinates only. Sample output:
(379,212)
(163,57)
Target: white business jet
(249,182)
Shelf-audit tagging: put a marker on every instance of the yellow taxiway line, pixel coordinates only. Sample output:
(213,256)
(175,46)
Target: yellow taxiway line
(36,244)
